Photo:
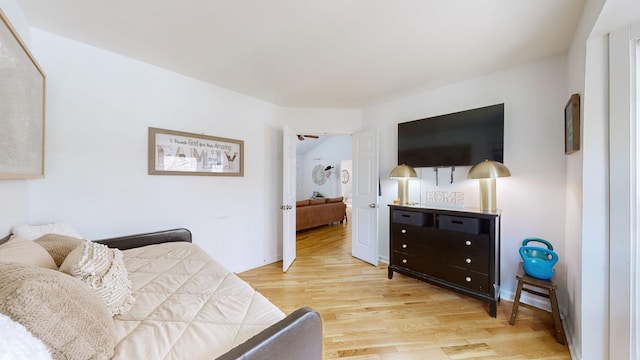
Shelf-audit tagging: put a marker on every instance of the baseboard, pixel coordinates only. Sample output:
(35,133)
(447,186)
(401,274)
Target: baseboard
(528,299)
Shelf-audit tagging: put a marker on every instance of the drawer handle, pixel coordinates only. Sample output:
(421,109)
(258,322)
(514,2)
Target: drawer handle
(468,260)
(404,261)
(468,242)
(404,246)
(468,279)
(403,231)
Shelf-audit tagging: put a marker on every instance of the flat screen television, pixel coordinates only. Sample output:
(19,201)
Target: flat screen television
(458,139)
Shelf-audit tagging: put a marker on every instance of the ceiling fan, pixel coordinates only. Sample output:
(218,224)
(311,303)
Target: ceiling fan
(301,137)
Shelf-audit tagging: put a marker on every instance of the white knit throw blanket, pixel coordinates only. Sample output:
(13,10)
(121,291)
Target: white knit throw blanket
(17,343)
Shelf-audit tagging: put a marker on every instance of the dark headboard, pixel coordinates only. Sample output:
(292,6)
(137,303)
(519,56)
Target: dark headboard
(138,240)
(5,239)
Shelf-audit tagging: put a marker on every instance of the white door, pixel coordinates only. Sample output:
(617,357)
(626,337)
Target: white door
(364,241)
(288,199)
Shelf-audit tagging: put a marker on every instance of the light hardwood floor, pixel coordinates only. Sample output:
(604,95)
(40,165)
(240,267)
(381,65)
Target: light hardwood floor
(367,316)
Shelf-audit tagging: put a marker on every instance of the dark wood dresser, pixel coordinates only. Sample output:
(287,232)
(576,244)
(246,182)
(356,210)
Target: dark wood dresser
(456,249)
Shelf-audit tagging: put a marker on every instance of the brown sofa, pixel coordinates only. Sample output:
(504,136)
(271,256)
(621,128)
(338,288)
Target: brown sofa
(316,212)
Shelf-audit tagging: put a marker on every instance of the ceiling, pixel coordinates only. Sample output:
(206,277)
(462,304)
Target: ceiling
(319,53)
(304,146)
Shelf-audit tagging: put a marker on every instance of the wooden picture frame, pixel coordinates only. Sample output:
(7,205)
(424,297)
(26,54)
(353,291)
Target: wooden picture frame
(181,153)
(22,107)
(572,125)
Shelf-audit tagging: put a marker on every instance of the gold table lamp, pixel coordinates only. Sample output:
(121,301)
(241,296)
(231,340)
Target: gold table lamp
(487,171)
(403,173)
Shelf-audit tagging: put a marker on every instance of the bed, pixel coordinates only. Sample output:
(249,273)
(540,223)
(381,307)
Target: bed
(189,306)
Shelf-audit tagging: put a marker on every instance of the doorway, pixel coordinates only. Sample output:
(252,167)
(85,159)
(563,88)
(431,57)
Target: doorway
(364,145)
(323,166)
(323,170)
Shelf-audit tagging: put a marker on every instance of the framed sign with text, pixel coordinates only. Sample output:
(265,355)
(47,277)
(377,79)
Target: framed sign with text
(181,153)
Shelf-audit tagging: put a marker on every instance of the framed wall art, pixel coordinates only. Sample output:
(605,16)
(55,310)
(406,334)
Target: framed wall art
(182,153)
(572,125)
(22,108)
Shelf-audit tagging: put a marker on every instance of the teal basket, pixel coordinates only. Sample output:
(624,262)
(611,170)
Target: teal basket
(537,261)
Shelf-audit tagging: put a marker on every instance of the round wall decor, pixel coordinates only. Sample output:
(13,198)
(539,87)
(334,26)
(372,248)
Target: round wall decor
(317,174)
(345,176)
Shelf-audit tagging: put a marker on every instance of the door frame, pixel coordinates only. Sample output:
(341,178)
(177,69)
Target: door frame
(294,131)
(624,166)
(288,204)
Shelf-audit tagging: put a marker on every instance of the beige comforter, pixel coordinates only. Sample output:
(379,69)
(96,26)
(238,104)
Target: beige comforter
(187,306)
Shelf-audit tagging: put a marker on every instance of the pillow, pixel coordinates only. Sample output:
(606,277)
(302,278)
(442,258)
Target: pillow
(20,250)
(102,269)
(59,310)
(21,344)
(58,246)
(317,201)
(32,232)
(302,203)
(335,200)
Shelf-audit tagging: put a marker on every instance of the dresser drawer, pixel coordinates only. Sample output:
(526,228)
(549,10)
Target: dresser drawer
(403,231)
(475,262)
(409,244)
(466,243)
(409,217)
(407,261)
(456,242)
(407,234)
(459,224)
(465,278)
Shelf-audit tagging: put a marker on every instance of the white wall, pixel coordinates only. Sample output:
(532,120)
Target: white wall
(586,215)
(100,106)
(572,293)
(532,199)
(329,152)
